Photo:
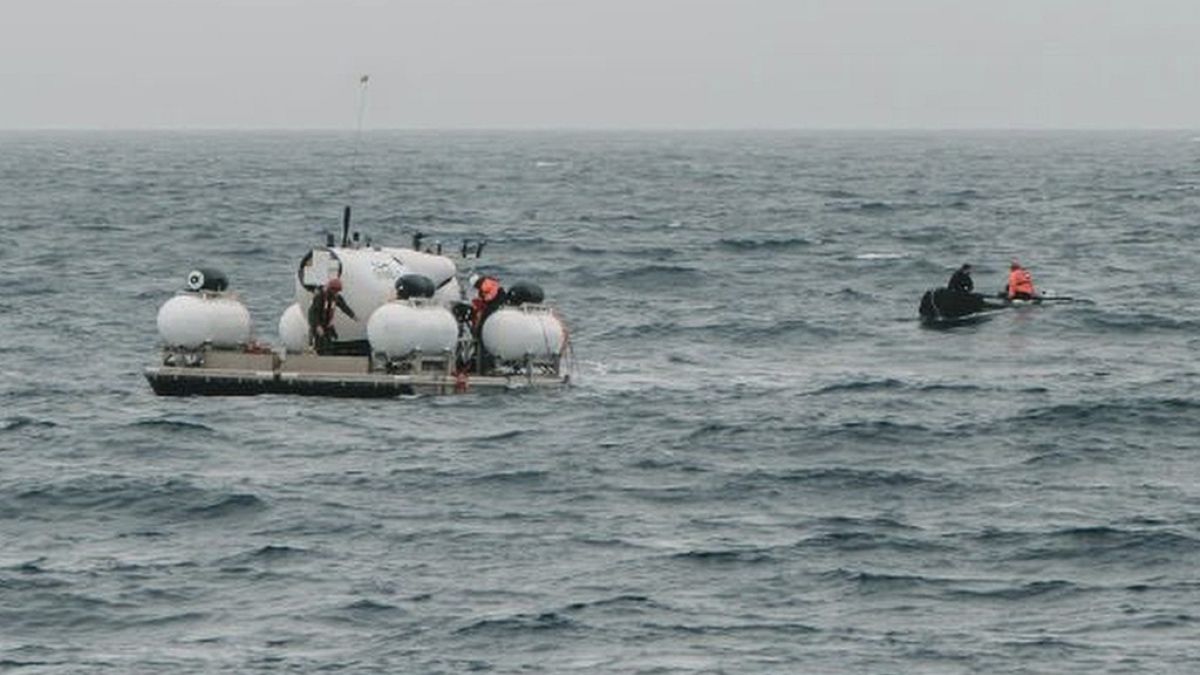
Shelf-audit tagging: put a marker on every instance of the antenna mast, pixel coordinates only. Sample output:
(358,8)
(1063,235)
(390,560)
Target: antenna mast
(362,110)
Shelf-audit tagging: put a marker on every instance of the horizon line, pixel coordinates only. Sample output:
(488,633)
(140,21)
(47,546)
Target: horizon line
(599,129)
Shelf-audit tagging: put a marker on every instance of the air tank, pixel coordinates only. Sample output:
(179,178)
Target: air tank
(403,326)
(528,331)
(191,319)
(293,329)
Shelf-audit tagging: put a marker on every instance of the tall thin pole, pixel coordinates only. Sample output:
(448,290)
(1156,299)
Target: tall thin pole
(362,111)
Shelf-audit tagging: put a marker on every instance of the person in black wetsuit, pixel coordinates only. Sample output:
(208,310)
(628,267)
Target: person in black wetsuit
(320,314)
(961,280)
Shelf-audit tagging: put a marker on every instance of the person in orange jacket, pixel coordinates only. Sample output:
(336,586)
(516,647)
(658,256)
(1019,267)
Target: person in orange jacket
(1020,283)
(489,298)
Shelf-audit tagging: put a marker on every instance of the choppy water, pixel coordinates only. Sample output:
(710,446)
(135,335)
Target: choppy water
(766,466)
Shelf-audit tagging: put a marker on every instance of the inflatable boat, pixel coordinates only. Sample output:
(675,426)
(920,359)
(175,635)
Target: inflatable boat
(946,308)
(411,329)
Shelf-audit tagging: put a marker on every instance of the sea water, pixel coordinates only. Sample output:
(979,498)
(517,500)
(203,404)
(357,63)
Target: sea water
(765,464)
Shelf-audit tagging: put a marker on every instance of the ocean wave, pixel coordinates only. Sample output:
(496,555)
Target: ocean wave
(769,629)
(872,207)
(270,553)
(849,478)
(743,245)
(520,623)
(870,541)
(624,603)
(171,499)
(964,388)
(878,431)
(231,505)
(867,385)
(608,218)
(21,422)
(508,435)
(838,193)
(1023,591)
(642,276)
(367,613)
(1095,543)
(792,327)
(1059,646)
(723,429)
(839,523)
(516,477)
(1159,412)
(881,582)
(650,253)
(859,386)
(737,331)
(10,663)
(1140,322)
(1159,621)
(370,606)
(670,462)
(967,193)
(173,424)
(52,610)
(754,556)
(30,576)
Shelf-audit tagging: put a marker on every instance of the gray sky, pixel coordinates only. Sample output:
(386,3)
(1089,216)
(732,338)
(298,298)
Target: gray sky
(601,63)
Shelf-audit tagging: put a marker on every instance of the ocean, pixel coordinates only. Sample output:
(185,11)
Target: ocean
(765,463)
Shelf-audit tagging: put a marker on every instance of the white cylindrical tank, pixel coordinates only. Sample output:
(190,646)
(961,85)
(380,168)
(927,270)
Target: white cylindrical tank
(293,329)
(403,326)
(514,333)
(190,320)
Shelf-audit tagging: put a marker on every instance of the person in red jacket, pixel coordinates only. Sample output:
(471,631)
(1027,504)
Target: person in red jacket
(1020,283)
(490,297)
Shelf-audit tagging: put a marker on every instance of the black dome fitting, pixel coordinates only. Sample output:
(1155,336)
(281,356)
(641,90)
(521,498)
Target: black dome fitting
(524,292)
(414,286)
(207,279)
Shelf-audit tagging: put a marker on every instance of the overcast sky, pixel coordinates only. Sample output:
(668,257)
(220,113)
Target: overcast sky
(601,63)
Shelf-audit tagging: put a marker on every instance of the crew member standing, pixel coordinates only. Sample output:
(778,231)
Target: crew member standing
(961,280)
(321,332)
(489,297)
(1020,283)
